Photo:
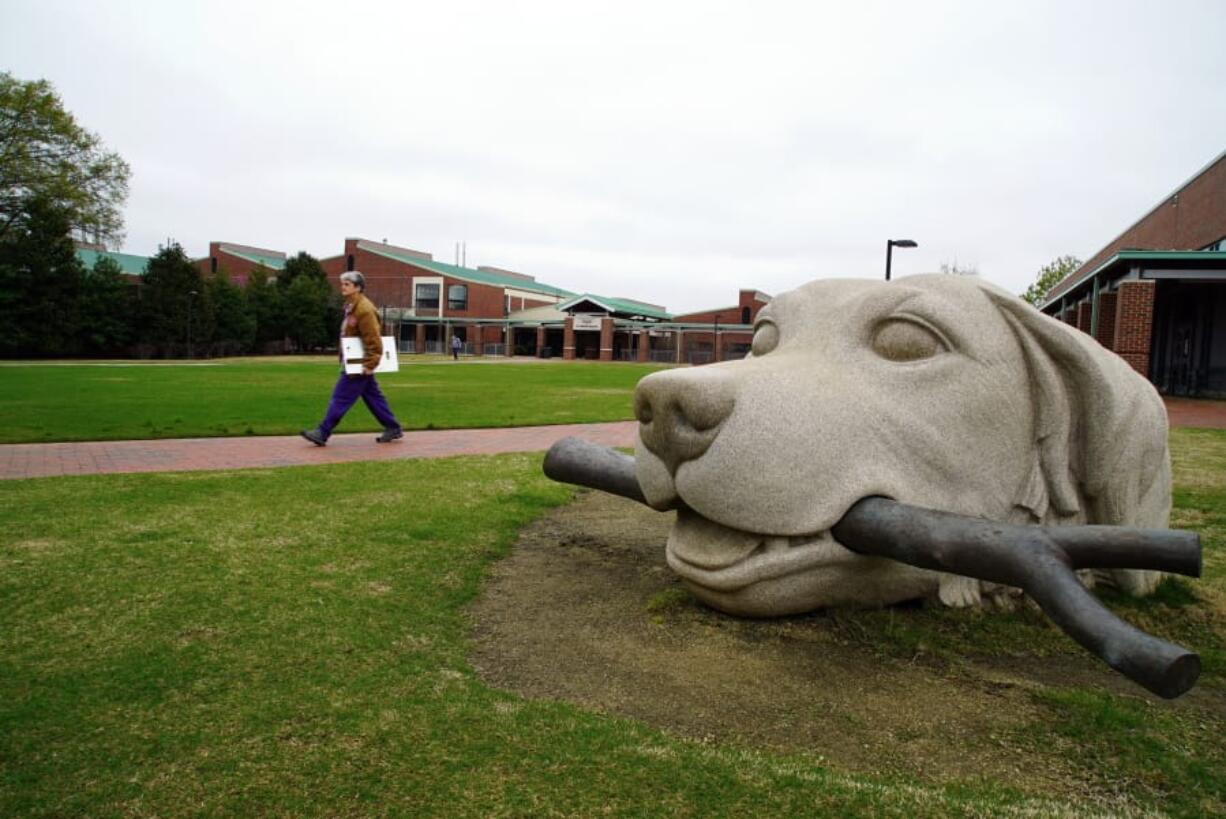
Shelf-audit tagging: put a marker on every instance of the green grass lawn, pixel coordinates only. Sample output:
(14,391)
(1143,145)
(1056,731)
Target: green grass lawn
(293,642)
(84,402)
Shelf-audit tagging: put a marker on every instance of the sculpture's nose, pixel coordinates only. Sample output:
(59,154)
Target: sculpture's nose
(680,412)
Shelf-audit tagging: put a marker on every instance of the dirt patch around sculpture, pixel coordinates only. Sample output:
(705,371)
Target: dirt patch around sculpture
(585,610)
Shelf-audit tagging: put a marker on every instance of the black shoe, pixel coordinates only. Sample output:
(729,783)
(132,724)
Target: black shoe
(390,435)
(314,436)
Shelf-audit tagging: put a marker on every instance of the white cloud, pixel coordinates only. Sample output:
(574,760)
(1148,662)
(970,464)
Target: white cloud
(667,151)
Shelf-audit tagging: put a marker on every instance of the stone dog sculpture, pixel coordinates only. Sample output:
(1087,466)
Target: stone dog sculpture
(934,436)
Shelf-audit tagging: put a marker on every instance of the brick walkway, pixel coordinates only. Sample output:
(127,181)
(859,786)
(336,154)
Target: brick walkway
(1193,412)
(187,454)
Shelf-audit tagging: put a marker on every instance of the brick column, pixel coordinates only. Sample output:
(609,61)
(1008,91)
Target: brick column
(1134,323)
(477,337)
(419,338)
(717,344)
(540,339)
(568,339)
(1106,320)
(644,345)
(680,347)
(1085,311)
(606,339)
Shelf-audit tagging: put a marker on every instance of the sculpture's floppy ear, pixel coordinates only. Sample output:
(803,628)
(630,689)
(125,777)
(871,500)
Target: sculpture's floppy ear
(1100,428)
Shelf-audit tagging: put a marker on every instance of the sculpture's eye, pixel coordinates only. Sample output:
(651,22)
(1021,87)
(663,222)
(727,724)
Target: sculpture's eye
(765,338)
(905,340)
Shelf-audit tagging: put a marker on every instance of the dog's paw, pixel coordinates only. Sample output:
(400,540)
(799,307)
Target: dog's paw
(959,592)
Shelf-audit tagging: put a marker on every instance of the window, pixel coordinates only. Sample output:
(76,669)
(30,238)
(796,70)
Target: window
(349,262)
(457,297)
(744,315)
(427,296)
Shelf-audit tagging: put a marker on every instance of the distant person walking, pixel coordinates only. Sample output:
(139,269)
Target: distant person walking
(456,344)
(361,320)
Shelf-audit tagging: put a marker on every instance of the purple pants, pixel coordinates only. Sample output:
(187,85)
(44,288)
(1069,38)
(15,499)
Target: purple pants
(349,388)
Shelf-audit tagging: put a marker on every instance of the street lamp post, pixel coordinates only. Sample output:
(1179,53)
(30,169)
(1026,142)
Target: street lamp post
(889,251)
(190,296)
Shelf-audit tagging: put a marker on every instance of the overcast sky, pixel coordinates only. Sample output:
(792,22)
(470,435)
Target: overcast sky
(672,152)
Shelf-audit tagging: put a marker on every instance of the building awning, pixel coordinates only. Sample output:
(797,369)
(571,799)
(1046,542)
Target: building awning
(1183,265)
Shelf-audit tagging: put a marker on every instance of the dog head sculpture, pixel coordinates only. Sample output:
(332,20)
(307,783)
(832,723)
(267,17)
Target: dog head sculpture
(939,391)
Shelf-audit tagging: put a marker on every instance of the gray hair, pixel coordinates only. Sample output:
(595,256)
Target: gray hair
(356,278)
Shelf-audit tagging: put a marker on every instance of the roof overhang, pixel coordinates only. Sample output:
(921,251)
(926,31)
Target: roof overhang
(1185,265)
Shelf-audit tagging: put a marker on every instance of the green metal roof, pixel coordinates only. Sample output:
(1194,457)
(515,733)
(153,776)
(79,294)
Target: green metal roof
(128,263)
(271,262)
(625,306)
(468,274)
(1059,292)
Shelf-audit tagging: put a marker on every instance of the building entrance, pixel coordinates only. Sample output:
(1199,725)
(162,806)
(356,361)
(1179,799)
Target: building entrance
(1190,357)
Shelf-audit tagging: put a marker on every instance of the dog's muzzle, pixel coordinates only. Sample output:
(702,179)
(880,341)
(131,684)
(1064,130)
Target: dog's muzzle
(680,413)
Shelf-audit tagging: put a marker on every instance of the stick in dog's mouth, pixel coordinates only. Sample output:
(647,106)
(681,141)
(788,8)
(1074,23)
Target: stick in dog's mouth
(1039,560)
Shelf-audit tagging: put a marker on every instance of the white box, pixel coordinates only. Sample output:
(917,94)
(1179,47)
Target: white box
(353,352)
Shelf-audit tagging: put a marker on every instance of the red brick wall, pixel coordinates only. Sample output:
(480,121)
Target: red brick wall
(1186,220)
(727,315)
(238,268)
(568,339)
(333,267)
(1106,320)
(483,301)
(389,283)
(1134,323)
(606,339)
(486,335)
(1085,312)
(748,300)
(725,338)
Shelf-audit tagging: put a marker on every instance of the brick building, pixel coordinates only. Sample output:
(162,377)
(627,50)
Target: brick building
(424,302)
(238,261)
(1156,294)
(620,329)
(721,333)
(494,311)
(601,328)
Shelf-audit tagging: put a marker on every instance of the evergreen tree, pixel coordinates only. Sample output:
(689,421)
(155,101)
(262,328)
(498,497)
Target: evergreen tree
(266,307)
(40,283)
(304,264)
(306,298)
(306,312)
(108,306)
(234,327)
(176,309)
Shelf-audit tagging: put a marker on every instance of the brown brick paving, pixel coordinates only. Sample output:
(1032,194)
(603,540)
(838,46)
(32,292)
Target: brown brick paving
(188,454)
(1194,412)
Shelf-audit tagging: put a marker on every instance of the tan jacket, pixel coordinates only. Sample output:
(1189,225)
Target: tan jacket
(362,320)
